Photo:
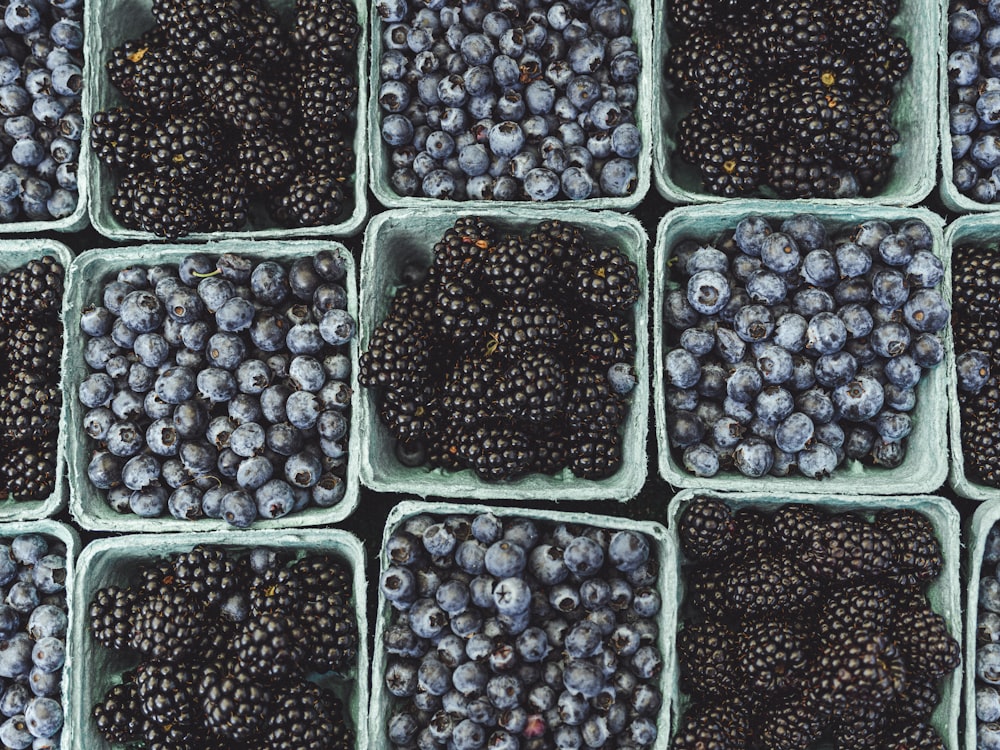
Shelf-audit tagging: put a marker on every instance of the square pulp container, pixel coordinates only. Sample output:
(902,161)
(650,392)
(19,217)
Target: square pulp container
(113,22)
(395,239)
(925,466)
(14,254)
(116,561)
(981,230)
(87,276)
(943,593)
(914,102)
(662,545)
(381,160)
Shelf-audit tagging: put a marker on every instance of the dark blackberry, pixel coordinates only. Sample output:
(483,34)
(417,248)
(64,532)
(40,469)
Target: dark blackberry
(184,148)
(886,63)
(913,736)
(416,302)
(323,574)
(269,49)
(712,726)
(846,610)
(168,625)
(859,728)
(32,292)
(590,403)
(408,413)
(695,133)
(31,409)
(495,450)
(240,95)
(328,28)
(861,668)
(171,736)
(692,15)
(330,153)
(815,118)
(709,659)
(794,524)
(29,472)
(594,455)
(916,550)
(831,72)
(707,531)
(460,255)
(118,717)
(227,193)
(729,165)
(157,204)
(156,78)
(111,613)
(208,574)
(306,717)
(329,633)
(519,270)
(795,172)
(981,447)
(328,93)
(399,354)
(464,315)
(751,536)
(789,725)
(858,23)
(769,586)
(275,591)
(35,347)
(687,58)
(205,30)
(534,387)
(232,703)
(722,85)
(522,329)
(551,450)
(312,198)
(844,548)
(165,691)
(915,702)
(267,649)
(774,657)
(793,29)
(607,280)
(470,390)
(870,137)
(602,340)
(442,447)
(924,642)
(120,138)
(706,588)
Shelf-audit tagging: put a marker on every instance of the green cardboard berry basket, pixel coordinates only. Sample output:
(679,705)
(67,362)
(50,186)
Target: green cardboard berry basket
(112,22)
(978,528)
(14,254)
(87,274)
(983,230)
(662,544)
(115,561)
(915,104)
(944,593)
(926,464)
(395,239)
(381,165)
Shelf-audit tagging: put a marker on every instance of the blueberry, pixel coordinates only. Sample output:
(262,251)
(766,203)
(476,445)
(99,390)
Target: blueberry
(774,404)
(903,371)
(753,323)
(819,268)
(766,287)
(21,17)
(825,333)
(924,270)
(619,177)
(708,292)
(859,400)
(963,68)
(583,556)
(973,368)
(753,457)
(96,390)
(925,311)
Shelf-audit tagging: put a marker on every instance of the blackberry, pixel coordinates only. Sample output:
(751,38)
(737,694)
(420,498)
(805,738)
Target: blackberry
(712,726)
(231,702)
(464,315)
(692,15)
(831,72)
(709,660)
(171,736)
(35,347)
(227,193)
(275,591)
(330,153)
(850,609)
(534,387)
(925,643)
(915,702)
(602,340)
(518,269)
(29,473)
(590,403)
(858,23)
(551,450)
(869,138)
(208,574)
(328,28)
(729,165)
(306,717)
(415,303)
(794,28)
(328,93)
(158,204)
(751,536)
(845,547)
(687,58)
(815,118)
(398,354)
(522,329)
(470,391)
(594,455)
(330,633)
(168,625)
(769,586)
(32,292)
(442,447)
(695,132)
(408,414)
(460,255)
(916,551)
(914,736)
(858,728)
(111,613)
(31,410)
(887,62)
(794,524)
(240,95)
(789,725)
(495,451)
(184,148)
(774,657)
(722,85)
(154,77)
(707,531)
(267,649)
(707,590)
(205,30)
(218,642)
(607,280)
(269,48)
(860,668)
(795,172)
(312,198)
(165,691)
(117,716)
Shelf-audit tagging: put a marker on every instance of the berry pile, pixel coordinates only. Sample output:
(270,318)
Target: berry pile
(31,341)
(41,80)
(974,98)
(513,633)
(222,647)
(224,107)
(792,349)
(511,354)
(33,620)
(510,100)
(987,666)
(976,325)
(804,625)
(792,95)
(219,388)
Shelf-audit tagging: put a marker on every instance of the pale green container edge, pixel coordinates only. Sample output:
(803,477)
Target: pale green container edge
(14,253)
(920,471)
(944,593)
(102,95)
(87,506)
(77,733)
(978,526)
(665,549)
(630,477)
(644,116)
(960,231)
(920,87)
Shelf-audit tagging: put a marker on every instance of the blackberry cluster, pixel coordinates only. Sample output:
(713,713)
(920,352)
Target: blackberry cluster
(31,343)
(540,634)
(219,388)
(227,110)
(792,98)
(798,346)
(976,325)
(825,632)
(511,354)
(213,665)
(987,666)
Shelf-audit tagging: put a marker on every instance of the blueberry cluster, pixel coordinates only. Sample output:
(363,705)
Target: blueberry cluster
(974,97)
(987,664)
(219,388)
(511,354)
(513,633)
(510,99)
(794,349)
(33,620)
(228,112)
(795,96)
(976,327)
(41,79)
(31,341)
(226,650)
(810,629)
